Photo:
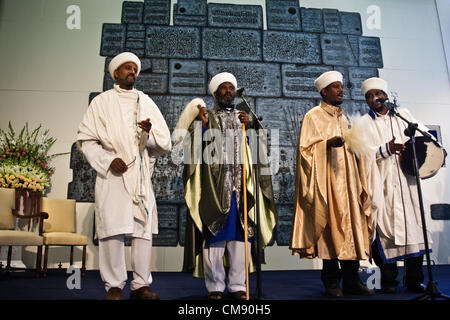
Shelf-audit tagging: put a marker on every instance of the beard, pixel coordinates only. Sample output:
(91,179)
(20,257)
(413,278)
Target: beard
(225,100)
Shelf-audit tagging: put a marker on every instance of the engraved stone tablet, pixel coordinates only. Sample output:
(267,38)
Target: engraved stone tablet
(152,83)
(351,23)
(293,47)
(231,44)
(81,188)
(108,82)
(132,12)
(283,115)
(258,79)
(187,77)
(170,42)
(236,16)
(298,80)
(182,216)
(284,224)
(283,15)
(357,77)
(165,238)
(347,85)
(157,12)
(135,39)
(113,39)
(336,50)
(160,65)
(312,20)
(353,107)
(331,21)
(167,216)
(190,13)
(370,52)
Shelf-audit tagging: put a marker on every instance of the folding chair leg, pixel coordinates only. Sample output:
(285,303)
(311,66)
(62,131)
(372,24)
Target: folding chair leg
(83,261)
(71,256)
(8,261)
(44,271)
(39,261)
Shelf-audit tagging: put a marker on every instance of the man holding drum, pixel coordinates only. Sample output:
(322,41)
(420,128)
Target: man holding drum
(395,203)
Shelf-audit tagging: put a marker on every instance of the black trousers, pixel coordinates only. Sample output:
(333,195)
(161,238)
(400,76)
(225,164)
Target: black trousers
(348,272)
(389,271)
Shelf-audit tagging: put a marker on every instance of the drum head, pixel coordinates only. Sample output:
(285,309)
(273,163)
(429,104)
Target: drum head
(430,158)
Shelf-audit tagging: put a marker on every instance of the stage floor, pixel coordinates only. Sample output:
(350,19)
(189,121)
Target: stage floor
(276,285)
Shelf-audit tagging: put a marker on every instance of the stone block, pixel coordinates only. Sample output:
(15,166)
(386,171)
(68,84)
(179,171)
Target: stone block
(357,76)
(135,39)
(258,79)
(298,80)
(170,42)
(284,116)
(235,16)
(81,188)
(283,15)
(370,52)
(347,85)
(284,224)
(312,20)
(157,12)
(331,21)
(165,238)
(113,39)
(160,65)
(132,12)
(354,107)
(152,83)
(190,13)
(336,50)
(187,77)
(291,47)
(351,23)
(231,44)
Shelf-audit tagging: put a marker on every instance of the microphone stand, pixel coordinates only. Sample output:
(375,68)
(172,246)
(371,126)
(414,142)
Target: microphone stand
(431,290)
(258,126)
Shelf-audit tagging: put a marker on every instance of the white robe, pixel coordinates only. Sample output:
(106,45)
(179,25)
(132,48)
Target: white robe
(395,202)
(108,131)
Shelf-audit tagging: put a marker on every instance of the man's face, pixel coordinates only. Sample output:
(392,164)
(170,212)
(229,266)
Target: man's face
(333,93)
(225,94)
(126,75)
(373,95)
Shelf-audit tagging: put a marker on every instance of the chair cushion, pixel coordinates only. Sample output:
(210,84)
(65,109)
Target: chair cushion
(19,238)
(61,215)
(64,238)
(7,203)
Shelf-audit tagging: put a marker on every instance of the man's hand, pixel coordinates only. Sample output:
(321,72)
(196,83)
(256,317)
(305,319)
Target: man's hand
(118,166)
(396,148)
(243,117)
(145,125)
(203,114)
(335,142)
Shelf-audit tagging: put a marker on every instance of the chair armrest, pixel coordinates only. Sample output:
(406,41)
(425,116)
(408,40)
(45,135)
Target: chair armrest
(40,215)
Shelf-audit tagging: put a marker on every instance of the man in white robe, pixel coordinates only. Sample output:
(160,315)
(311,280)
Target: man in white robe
(121,135)
(395,202)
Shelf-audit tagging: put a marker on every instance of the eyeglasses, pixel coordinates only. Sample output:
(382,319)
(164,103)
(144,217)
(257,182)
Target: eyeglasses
(132,162)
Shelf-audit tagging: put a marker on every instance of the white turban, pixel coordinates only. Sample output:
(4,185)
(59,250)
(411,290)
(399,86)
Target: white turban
(374,83)
(220,78)
(327,78)
(122,58)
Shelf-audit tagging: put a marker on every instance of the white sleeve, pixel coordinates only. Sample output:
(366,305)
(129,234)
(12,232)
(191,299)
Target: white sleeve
(99,158)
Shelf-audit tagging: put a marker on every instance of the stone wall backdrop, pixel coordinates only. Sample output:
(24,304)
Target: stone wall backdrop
(276,66)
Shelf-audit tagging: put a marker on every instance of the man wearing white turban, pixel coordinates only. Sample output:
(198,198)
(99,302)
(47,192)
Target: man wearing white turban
(213,194)
(395,203)
(331,207)
(121,135)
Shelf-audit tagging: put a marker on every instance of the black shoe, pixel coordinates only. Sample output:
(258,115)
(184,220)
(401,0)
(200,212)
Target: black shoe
(358,289)
(333,291)
(417,288)
(388,289)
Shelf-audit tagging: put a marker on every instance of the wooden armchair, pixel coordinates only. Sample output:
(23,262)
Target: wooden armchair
(59,229)
(10,237)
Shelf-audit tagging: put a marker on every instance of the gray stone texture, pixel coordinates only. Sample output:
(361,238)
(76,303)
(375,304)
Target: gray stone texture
(298,80)
(187,77)
(235,16)
(113,39)
(291,47)
(157,12)
(190,13)
(132,12)
(336,50)
(169,42)
(283,15)
(231,44)
(312,20)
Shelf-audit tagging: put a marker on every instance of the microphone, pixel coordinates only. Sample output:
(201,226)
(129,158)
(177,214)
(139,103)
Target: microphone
(239,92)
